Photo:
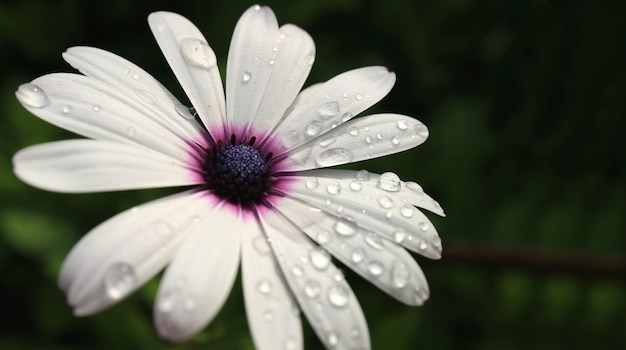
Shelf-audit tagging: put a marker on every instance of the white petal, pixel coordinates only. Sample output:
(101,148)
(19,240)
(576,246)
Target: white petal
(194,64)
(134,81)
(197,282)
(371,205)
(250,63)
(83,165)
(259,89)
(122,253)
(407,191)
(100,111)
(383,263)
(273,315)
(320,288)
(293,62)
(333,103)
(361,139)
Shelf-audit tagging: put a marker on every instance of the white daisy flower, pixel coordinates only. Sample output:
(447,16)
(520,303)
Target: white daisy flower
(254,159)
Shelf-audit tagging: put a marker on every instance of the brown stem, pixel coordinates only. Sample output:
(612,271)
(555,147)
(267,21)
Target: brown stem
(535,260)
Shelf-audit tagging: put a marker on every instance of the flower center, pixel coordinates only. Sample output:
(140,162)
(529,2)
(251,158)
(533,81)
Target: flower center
(237,172)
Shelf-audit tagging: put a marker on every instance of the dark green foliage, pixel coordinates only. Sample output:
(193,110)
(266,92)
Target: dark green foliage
(526,106)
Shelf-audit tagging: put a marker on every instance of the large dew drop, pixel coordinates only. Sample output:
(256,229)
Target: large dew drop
(119,280)
(31,95)
(328,110)
(338,296)
(345,227)
(334,156)
(375,268)
(399,275)
(183,111)
(198,53)
(389,182)
(320,259)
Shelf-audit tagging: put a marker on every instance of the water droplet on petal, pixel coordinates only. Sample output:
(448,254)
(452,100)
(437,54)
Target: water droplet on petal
(268,315)
(96,108)
(395,140)
(423,226)
(323,237)
(327,141)
(333,338)
(246,76)
(358,254)
(374,240)
(314,128)
(399,236)
(358,97)
(130,132)
(347,116)
(310,58)
(328,110)
(363,175)
(356,186)
(407,211)
(436,241)
(261,245)
(334,156)
(354,131)
(421,130)
(414,187)
(198,53)
(338,277)
(136,76)
(345,227)
(338,296)
(402,124)
(264,286)
(333,188)
(290,345)
(423,245)
(385,202)
(389,182)
(167,302)
(297,271)
(31,95)
(312,288)
(399,275)
(375,268)
(311,183)
(320,259)
(183,111)
(119,280)
(67,109)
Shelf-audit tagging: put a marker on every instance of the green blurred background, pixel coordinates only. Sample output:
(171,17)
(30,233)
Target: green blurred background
(525,101)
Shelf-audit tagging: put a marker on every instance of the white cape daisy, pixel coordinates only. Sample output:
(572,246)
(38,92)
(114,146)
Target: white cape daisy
(253,156)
